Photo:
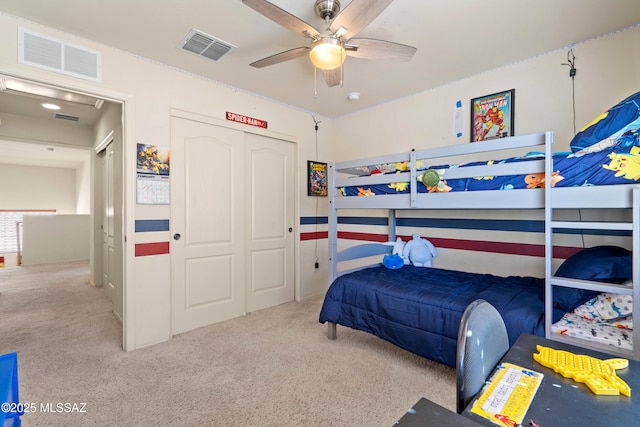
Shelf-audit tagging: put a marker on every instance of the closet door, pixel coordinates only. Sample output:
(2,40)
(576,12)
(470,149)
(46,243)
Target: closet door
(207,224)
(269,191)
(232,221)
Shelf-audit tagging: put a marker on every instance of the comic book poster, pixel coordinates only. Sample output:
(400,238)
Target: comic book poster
(492,116)
(317,180)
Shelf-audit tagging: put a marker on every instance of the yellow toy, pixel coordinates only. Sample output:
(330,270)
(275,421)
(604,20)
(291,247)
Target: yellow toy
(599,375)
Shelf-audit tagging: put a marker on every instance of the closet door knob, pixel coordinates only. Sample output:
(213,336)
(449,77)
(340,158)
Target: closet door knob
(176,236)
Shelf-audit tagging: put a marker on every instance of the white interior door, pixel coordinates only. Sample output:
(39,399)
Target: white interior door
(207,224)
(108,226)
(269,197)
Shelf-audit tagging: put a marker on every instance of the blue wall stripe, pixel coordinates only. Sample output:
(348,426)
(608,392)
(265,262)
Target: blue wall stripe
(312,220)
(514,225)
(529,226)
(363,220)
(359,220)
(143,225)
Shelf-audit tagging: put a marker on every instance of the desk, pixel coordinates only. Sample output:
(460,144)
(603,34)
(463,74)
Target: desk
(426,413)
(561,401)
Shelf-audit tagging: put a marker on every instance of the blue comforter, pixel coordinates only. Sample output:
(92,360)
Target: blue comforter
(419,309)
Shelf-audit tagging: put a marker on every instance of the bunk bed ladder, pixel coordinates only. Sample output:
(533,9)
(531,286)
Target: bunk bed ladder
(332,223)
(551,280)
(635,333)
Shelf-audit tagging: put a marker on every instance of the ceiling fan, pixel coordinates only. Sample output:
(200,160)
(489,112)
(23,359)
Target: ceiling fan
(330,47)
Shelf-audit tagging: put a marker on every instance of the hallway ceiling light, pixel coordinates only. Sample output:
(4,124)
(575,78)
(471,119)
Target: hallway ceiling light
(49,106)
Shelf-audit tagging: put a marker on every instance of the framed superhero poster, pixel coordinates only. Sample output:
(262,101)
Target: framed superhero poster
(492,116)
(317,178)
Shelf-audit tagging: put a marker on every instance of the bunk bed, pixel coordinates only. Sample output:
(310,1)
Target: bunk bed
(419,309)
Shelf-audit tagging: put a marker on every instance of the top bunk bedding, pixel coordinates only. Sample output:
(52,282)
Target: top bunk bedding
(619,164)
(605,153)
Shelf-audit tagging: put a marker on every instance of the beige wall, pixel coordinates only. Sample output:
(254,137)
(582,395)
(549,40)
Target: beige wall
(55,238)
(83,187)
(38,187)
(35,130)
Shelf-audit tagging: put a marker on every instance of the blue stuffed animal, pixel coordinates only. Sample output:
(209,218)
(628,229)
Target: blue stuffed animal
(392,261)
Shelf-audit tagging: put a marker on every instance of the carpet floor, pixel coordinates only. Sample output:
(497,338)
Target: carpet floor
(273,367)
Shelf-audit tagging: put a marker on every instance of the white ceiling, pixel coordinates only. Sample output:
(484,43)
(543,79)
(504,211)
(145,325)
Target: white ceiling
(26,154)
(454,40)
(31,106)
(36,153)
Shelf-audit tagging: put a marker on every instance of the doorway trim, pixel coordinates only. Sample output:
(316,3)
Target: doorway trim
(127,216)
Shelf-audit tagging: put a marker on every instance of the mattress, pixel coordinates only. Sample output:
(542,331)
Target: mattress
(419,309)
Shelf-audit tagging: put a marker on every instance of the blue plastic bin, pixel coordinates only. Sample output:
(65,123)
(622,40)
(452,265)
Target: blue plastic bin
(9,398)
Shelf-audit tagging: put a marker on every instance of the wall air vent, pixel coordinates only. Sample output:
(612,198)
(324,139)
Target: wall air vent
(205,45)
(46,52)
(66,117)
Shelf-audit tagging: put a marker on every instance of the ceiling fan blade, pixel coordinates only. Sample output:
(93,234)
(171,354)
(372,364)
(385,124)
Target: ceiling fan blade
(281,57)
(379,49)
(333,77)
(282,17)
(357,15)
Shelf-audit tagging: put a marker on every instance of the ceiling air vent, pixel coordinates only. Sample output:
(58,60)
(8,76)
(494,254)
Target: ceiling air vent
(65,117)
(46,52)
(205,45)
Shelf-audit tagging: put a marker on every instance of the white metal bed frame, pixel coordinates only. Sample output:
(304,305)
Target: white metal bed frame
(549,199)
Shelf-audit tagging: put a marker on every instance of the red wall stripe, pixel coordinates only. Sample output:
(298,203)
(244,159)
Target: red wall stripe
(157,248)
(526,249)
(314,235)
(370,237)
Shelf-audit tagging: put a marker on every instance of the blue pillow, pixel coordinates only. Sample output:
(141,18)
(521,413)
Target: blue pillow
(614,122)
(610,264)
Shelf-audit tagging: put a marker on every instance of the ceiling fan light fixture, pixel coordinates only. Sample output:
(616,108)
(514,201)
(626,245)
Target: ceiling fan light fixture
(327,53)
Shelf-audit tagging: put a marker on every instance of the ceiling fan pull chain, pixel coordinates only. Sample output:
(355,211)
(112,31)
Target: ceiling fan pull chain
(342,68)
(315,82)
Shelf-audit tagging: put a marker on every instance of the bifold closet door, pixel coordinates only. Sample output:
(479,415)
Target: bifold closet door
(232,222)
(207,226)
(269,191)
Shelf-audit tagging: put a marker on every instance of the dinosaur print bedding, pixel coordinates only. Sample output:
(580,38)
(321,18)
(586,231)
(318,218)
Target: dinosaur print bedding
(605,319)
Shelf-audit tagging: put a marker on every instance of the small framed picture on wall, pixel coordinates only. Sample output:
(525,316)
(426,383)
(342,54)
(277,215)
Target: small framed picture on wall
(317,178)
(492,116)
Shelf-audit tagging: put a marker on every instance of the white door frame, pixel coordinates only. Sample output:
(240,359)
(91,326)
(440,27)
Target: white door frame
(271,134)
(127,216)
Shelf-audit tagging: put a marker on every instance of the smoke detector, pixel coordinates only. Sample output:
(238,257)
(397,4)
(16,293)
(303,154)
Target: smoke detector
(353,96)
